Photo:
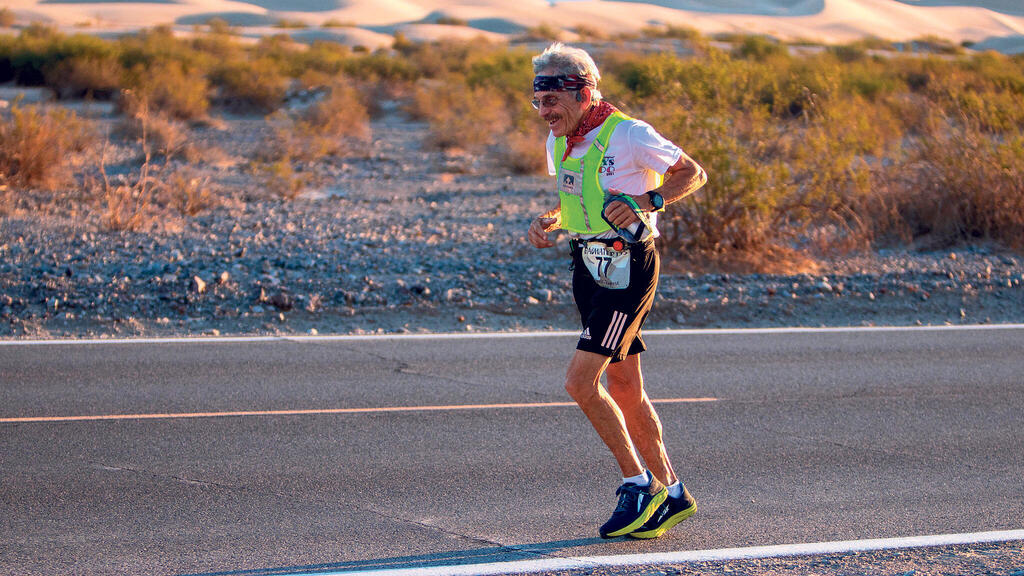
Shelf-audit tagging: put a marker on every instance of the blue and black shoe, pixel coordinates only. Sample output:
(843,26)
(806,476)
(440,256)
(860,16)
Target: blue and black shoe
(636,505)
(672,512)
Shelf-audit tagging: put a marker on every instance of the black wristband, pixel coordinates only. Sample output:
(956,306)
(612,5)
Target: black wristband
(657,200)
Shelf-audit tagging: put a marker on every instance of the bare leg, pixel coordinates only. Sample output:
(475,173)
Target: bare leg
(583,382)
(626,387)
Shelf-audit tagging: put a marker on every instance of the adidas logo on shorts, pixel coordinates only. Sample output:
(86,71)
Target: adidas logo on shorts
(586,334)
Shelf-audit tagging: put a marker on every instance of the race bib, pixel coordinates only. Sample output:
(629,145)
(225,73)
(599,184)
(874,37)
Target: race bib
(609,267)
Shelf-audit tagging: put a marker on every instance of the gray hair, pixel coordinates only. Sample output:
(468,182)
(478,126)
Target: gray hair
(562,59)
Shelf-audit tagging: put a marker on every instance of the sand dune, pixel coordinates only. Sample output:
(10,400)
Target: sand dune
(995,23)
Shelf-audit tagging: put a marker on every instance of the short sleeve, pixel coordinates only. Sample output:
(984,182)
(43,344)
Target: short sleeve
(652,150)
(550,153)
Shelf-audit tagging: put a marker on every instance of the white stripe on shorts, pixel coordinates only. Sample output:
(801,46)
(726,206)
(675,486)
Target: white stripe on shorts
(614,332)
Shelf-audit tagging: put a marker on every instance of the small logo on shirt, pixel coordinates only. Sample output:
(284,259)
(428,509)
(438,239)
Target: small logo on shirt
(607,166)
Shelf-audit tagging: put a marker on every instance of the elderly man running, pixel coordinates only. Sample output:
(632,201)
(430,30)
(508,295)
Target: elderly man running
(614,175)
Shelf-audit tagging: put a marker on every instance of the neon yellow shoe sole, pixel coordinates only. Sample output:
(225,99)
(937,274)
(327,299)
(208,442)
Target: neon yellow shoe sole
(666,525)
(655,502)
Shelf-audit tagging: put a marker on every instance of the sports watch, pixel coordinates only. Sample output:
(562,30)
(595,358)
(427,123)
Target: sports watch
(657,200)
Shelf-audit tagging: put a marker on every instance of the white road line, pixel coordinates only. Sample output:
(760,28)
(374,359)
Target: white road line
(316,411)
(725,554)
(494,335)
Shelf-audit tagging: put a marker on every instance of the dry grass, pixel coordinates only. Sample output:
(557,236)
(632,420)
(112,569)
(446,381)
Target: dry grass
(281,178)
(968,188)
(35,145)
(155,196)
(189,194)
(522,152)
(336,125)
(126,203)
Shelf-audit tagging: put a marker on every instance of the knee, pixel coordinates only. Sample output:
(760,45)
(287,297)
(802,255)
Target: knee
(625,389)
(580,389)
(583,378)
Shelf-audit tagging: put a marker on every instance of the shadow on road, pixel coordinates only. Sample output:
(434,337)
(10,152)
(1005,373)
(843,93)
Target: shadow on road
(460,557)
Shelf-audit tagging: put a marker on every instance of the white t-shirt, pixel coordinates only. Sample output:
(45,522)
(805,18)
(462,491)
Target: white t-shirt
(635,157)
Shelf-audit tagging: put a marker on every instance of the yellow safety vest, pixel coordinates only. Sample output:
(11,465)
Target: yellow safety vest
(579,190)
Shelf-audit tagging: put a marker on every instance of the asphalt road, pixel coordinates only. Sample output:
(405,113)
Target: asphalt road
(811,436)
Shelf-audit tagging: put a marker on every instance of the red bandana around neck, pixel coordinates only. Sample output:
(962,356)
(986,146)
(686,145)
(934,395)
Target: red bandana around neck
(592,119)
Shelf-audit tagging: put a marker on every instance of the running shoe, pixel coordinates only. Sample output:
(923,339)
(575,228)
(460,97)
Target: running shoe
(636,505)
(672,512)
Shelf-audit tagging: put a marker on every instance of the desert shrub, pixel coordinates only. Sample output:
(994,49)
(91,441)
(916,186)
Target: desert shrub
(935,45)
(759,48)
(7,18)
(508,73)
(521,151)
(220,45)
(380,66)
(290,23)
(154,48)
(870,81)
(35,144)
(335,23)
(589,33)
(741,205)
(324,57)
(280,177)
(544,32)
(989,89)
(32,57)
(90,77)
(281,52)
(161,135)
(849,52)
(956,186)
(451,21)
(166,87)
(459,116)
(189,194)
(23,57)
(672,31)
(256,85)
(715,83)
(449,57)
(336,125)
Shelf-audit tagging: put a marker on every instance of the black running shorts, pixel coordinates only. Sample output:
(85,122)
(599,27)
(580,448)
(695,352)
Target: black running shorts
(612,318)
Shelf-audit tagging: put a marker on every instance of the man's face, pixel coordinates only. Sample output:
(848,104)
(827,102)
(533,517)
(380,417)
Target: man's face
(560,110)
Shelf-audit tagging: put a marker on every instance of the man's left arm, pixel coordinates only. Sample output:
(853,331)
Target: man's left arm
(681,179)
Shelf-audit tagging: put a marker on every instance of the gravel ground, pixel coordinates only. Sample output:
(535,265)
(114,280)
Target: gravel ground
(400,238)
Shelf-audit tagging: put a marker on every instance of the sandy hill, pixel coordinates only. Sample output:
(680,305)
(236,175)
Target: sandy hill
(997,24)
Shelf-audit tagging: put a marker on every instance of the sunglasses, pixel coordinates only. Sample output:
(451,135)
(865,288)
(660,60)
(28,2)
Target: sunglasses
(547,101)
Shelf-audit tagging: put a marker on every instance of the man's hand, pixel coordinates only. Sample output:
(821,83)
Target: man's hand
(539,229)
(620,214)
